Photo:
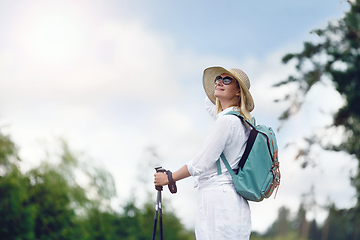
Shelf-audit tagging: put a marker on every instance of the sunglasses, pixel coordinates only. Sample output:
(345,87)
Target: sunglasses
(225,80)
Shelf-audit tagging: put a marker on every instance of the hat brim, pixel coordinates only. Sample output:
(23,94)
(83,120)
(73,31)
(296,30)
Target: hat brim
(208,82)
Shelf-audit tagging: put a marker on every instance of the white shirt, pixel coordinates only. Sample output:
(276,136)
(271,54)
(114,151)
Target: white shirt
(229,135)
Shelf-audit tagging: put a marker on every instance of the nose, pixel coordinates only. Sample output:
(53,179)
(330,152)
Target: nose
(219,82)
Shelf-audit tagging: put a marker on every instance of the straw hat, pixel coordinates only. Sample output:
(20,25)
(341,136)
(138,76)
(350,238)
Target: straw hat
(212,72)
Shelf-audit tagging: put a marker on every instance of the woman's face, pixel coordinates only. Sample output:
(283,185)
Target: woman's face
(228,92)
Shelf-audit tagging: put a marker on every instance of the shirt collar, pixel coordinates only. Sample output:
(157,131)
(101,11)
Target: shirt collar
(229,109)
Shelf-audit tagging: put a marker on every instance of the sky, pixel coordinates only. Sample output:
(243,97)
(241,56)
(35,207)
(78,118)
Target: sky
(121,81)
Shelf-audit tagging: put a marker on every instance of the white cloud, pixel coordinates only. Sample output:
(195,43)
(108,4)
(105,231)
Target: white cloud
(130,88)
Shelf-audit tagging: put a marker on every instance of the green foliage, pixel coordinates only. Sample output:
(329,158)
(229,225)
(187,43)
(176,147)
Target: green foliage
(282,226)
(342,224)
(49,195)
(17,217)
(340,44)
(8,154)
(335,57)
(339,225)
(138,223)
(288,236)
(48,203)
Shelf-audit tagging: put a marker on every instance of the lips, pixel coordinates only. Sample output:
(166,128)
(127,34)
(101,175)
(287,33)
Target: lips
(219,89)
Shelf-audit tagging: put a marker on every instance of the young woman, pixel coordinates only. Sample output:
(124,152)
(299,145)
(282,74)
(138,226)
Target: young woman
(222,213)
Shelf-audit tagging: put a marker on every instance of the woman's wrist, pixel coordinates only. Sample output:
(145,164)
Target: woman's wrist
(169,174)
(172,184)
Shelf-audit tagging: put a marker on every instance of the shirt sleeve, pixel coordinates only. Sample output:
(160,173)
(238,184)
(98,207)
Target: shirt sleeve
(210,107)
(212,148)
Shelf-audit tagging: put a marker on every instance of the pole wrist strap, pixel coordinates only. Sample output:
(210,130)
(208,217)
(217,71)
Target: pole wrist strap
(172,184)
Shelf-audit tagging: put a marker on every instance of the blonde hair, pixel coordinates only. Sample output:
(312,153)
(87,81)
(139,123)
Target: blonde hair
(240,107)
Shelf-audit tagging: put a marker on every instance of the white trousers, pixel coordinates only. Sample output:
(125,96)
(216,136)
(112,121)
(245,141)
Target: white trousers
(222,214)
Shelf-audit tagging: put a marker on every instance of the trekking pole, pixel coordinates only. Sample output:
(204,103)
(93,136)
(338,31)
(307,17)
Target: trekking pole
(158,208)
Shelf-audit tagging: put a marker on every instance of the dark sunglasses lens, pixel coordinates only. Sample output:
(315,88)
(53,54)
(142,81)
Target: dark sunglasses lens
(217,79)
(227,80)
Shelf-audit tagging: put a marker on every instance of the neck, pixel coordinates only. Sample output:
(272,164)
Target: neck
(228,103)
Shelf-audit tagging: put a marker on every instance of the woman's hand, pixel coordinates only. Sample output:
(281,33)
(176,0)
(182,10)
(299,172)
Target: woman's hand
(161,179)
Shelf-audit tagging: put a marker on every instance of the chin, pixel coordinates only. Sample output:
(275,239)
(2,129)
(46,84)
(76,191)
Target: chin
(218,95)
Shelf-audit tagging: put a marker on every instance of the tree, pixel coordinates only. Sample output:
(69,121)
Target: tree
(334,60)
(282,225)
(302,225)
(48,202)
(16,217)
(314,232)
(340,225)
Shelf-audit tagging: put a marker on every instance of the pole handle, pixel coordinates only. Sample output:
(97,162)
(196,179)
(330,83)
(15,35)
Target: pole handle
(159,169)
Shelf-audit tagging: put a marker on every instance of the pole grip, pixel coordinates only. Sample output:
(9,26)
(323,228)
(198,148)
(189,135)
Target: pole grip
(159,169)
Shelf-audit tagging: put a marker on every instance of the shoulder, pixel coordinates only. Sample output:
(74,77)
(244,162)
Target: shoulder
(234,122)
(229,119)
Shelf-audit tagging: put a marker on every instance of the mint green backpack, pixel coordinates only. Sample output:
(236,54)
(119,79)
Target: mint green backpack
(258,172)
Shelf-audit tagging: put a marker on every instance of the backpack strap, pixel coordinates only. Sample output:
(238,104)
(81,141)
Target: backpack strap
(252,123)
(227,165)
(249,144)
(218,166)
